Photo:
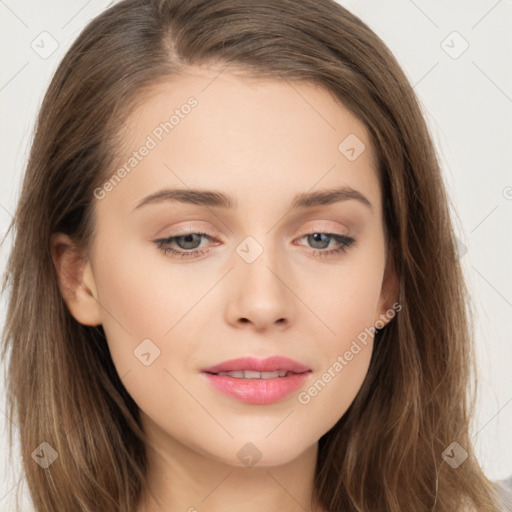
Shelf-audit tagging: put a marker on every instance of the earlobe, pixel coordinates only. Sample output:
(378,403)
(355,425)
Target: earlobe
(76,280)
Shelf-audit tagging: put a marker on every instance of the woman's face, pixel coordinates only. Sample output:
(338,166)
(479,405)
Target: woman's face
(259,283)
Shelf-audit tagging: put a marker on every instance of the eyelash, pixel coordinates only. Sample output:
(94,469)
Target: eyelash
(164,245)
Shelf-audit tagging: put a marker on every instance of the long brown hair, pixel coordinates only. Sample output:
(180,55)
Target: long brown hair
(385,453)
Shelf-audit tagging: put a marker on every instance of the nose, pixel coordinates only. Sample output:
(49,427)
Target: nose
(259,294)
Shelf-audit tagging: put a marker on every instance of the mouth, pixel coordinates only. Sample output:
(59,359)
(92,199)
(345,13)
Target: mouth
(258,382)
(249,374)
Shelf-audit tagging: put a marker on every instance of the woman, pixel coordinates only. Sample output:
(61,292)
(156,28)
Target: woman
(313,350)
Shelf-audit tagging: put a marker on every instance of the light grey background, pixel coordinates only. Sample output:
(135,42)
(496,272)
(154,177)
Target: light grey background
(467,100)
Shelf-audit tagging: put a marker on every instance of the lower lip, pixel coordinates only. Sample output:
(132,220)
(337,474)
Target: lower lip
(258,391)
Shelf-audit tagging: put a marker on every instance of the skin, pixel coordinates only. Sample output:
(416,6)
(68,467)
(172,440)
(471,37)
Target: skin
(260,142)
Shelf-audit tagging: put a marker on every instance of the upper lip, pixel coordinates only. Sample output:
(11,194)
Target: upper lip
(270,364)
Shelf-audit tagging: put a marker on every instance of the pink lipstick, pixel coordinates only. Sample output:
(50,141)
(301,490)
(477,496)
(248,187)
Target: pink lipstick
(258,381)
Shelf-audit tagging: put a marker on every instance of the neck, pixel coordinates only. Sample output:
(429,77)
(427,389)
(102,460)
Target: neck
(183,479)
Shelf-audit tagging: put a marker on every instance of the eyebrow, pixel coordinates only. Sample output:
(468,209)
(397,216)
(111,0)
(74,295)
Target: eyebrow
(218,199)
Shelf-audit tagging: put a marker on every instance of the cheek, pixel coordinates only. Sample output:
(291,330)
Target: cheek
(142,296)
(348,309)
(148,319)
(345,352)
(143,290)
(347,300)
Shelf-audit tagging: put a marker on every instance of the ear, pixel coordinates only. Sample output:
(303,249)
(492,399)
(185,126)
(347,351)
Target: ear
(76,280)
(389,294)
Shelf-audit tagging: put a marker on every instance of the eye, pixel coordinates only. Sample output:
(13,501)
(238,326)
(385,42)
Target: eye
(323,240)
(186,242)
(189,244)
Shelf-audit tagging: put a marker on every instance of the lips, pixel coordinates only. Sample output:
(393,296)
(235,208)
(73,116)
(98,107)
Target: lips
(258,381)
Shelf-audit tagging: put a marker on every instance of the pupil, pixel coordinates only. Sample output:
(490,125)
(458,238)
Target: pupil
(188,239)
(317,237)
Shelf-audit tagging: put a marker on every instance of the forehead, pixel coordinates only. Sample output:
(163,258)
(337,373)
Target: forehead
(228,100)
(216,129)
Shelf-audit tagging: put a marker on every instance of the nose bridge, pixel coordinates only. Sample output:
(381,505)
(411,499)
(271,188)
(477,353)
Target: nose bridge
(259,262)
(261,295)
